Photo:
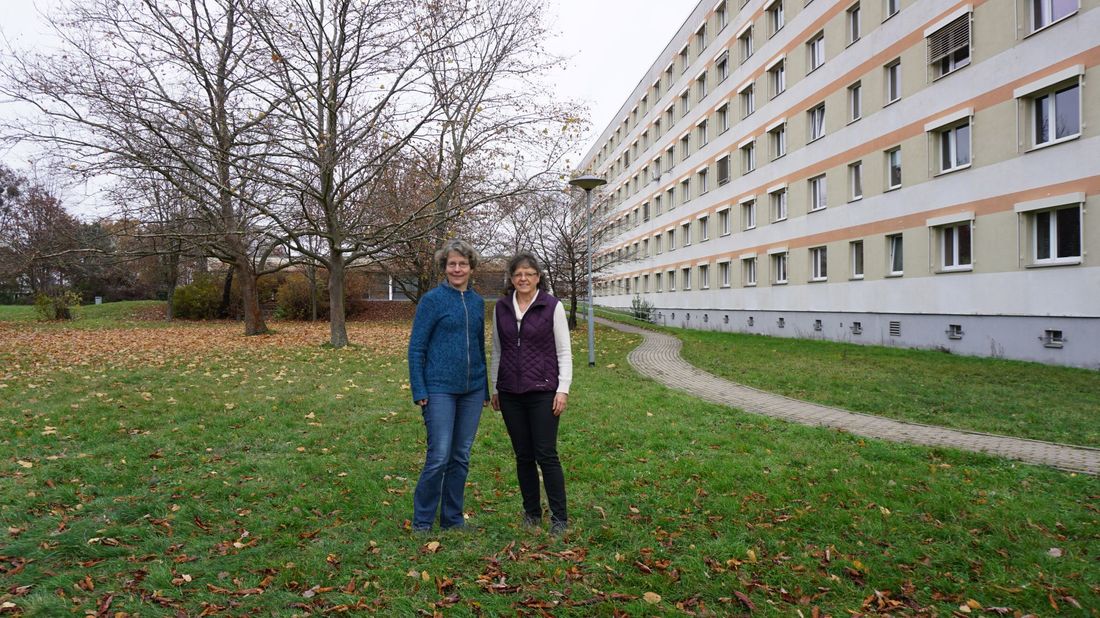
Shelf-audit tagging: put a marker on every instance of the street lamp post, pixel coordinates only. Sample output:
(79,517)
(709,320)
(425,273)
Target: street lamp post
(588,183)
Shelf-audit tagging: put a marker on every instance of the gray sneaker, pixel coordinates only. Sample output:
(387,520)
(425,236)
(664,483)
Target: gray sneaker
(558,527)
(532,521)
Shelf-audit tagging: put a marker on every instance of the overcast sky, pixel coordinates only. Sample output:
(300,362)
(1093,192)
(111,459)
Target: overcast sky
(605,60)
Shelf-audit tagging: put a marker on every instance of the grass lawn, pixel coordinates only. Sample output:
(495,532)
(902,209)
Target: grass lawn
(1012,398)
(155,470)
(88,316)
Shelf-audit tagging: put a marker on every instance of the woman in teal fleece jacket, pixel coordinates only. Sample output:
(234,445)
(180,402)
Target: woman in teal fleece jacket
(449,382)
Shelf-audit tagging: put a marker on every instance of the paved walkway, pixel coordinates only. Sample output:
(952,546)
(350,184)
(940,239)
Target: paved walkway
(658,357)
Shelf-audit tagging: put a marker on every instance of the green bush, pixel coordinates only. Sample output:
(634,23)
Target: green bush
(61,306)
(641,309)
(199,300)
(292,298)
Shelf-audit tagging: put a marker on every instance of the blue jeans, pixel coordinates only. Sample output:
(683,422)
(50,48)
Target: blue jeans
(451,421)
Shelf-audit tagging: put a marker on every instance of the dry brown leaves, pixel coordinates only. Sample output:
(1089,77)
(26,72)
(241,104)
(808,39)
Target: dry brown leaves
(33,350)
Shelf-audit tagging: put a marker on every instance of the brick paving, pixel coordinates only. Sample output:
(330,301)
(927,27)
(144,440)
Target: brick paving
(658,357)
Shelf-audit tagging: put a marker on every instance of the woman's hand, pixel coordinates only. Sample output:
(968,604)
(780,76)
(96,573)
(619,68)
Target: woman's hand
(422,402)
(560,401)
(495,402)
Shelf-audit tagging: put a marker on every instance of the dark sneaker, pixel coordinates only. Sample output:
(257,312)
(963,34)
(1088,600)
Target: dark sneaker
(558,528)
(532,521)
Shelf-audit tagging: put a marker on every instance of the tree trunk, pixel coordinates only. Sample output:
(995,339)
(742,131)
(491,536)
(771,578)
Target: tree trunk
(311,273)
(338,332)
(169,303)
(572,317)
(250,299)
(227,288)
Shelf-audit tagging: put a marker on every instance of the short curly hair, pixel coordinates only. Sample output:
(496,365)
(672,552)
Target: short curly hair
(460,247)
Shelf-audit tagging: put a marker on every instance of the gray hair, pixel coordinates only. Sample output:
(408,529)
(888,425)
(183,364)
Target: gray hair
(460,247)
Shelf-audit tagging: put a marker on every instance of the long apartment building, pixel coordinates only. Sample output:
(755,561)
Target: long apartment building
(900,172)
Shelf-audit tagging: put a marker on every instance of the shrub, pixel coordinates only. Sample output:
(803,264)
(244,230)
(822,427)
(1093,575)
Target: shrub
(199,300)
(292,298)
(61,306)
(641,309)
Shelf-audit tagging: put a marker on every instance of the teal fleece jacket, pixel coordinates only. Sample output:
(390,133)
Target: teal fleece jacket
(447,345)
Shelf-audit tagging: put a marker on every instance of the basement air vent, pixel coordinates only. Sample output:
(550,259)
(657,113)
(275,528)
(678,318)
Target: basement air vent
(750,320)
(895,329)
(817,325)
(782,322)
(954,331)
(857,328)
(1053,339)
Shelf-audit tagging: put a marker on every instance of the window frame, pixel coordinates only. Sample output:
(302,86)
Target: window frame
(748,214)
(819,263)
(780,268)
(895,243)
(815,52)
(855,181)
(891,81)
(818,190)
(947,35)
(855,101)
(855,259)
(777,204)
(853,25)
(954,252)
(889,168)
(815,129)
(748,272)
(776,17)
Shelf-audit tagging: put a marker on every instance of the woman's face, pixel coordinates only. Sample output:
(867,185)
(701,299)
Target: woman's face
(458,270)
(525,279)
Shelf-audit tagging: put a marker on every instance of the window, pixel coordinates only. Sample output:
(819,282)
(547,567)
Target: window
(685,190)
(670,116)
(1046,12)
(704,276)
(775,17)
(744,43)
(645,211)
(819,265)
(748,271)
(818,199)
(670,157)
(684,59)
(892,79)
(724,274)
(778,200)
(701,180)
(645,248)
(890,8)
(748,215)
(657,279)
(657,244)
(779,268)
(855,102)
(853,23)
(701,38)
(671,234)
(723,170)
(815,51)
(701,133)
(704,228)
(893,168)
(1055,115)
(685,235)
(724,222)
(748,157)
(685,278)
(955,246)
(1055,235)
(895,264)
(855,181)
(777,76)
(1053,338)
(685,103)
(671,198)
(855,251)
(720,15)
(656,205)
(672,281)
(954,147)
(816,121)
(701,87)
(949,47)
(748,100)
(778,138)
(685,147)
(722,67)
(723,116)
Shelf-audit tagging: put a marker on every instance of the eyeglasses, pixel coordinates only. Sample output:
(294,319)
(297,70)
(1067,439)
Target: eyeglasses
(525,275)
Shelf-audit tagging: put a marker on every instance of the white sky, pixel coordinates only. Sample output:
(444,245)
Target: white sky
(606,60)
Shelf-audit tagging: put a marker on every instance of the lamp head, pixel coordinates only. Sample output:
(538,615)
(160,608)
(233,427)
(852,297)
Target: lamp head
(588,182)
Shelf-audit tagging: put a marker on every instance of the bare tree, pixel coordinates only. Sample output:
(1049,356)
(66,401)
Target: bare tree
(375,85)
(159,86)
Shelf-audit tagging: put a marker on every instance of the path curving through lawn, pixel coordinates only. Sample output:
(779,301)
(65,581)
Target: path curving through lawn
(658,357)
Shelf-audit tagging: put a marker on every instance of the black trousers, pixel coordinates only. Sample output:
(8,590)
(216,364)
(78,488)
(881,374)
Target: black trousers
(533,429)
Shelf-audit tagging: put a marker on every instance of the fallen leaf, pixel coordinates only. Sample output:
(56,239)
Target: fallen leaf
(652,598)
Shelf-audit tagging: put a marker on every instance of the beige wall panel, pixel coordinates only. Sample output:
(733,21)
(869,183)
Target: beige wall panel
(994,134)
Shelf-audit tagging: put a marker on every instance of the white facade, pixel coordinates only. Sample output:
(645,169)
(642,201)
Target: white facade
(899,172)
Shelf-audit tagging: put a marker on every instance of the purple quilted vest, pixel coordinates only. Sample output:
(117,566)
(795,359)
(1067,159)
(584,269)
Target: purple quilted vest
(528,356)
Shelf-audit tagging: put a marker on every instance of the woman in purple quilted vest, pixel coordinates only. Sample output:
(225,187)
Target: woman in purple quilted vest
(531,368)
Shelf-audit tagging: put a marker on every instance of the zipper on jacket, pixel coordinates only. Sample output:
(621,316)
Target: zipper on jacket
(465,309)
